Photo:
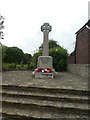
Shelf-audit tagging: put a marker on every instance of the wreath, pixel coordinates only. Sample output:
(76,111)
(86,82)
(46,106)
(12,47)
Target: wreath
(43,70)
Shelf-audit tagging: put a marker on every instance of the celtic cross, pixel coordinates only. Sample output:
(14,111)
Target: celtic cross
(45,28)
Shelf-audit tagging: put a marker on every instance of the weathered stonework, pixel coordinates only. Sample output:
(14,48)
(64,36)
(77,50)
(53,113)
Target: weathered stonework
(45,28)
(80,69)
(45,62)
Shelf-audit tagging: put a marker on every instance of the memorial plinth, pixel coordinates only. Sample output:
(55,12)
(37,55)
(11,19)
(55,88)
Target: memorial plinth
(45,63)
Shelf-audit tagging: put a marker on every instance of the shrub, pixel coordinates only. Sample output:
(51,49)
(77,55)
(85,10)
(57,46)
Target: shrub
(60,56)
(8,66)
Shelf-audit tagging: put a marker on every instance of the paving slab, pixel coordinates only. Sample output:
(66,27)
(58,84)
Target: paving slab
(65,80)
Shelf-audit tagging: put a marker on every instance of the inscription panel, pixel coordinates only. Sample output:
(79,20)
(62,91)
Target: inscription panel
(45,61)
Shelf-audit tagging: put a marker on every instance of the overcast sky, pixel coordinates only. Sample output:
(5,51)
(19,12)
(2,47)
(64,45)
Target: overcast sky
(23,19)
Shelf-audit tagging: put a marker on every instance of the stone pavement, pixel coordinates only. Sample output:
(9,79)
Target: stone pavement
(65,80)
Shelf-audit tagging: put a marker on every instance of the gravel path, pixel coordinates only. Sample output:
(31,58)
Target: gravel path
(65,80)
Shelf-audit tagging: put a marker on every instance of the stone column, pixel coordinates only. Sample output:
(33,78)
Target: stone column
(45,28)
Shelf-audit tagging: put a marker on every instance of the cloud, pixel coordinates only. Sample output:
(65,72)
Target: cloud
(23,19)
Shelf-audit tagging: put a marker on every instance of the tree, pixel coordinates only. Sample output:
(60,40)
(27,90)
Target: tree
(4,48)
(27,58)
(1,27)
(52,44)
(35,59)
(13,54)
(59,55)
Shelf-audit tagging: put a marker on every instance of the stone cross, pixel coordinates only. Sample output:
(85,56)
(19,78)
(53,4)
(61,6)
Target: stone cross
(45,28)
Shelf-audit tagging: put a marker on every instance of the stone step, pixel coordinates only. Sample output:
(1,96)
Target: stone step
(50,90)
(46,93)
(46,96)
(36,112)
(21,117)
(27,102)
(55,104)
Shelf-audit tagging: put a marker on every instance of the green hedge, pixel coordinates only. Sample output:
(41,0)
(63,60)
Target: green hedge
(14,66)
(8,66)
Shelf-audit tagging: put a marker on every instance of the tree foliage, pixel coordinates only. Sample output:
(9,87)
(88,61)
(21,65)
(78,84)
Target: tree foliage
(35,59)
(58,53)
(27,58)
(14,55)
(52,44)
(4,48)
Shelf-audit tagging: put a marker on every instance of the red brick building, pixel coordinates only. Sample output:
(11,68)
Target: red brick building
(81,54)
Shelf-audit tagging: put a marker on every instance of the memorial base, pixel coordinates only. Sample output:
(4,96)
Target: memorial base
(44,73)
(44,68)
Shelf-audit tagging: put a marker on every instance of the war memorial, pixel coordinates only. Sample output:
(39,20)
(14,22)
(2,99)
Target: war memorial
(45,62)
(39,95)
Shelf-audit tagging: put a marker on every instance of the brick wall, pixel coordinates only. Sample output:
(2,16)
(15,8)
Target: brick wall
(71,58)
(82,47)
